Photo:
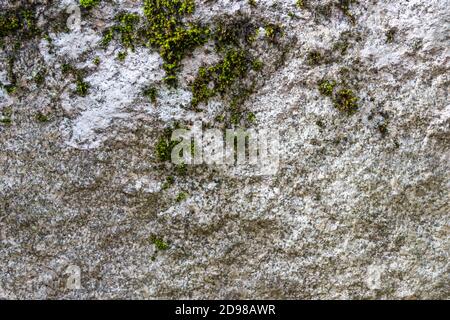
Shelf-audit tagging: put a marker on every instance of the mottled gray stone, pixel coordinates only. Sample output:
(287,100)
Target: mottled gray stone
(352,212)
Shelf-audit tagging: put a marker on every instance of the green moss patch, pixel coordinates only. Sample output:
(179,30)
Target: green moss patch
(344,99)
(217,79)
(167,31)
(88,4)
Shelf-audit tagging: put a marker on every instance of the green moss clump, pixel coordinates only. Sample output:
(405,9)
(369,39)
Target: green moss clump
(301,4)
(67,68)
(234,32)
(39,78)
(20,22)
(88,4)
(96,61)
(390,35)
(159,243)
(252,3)
(173,37)
(251,117)
(346,101)
(273,32)
(9,23)
(164,147)
(126,30)
(257,65)
(16,27)
(151,93)
(344,6)
(217,79)
(9,88)
(41,117)
(326,87)
(181,197)
(6,116)
(122,55)
(82,87)
(170,180)
(314,58)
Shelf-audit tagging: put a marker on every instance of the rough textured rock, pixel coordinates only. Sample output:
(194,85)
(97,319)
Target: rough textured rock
(359,207)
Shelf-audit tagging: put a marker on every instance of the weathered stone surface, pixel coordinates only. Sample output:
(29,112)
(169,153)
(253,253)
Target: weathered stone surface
(359,207)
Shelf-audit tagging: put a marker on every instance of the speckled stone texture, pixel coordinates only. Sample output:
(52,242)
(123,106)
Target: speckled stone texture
(359,208)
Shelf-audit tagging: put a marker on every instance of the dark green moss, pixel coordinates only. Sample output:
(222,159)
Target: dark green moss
(151,93)
(122,55)
(41,117)
(125,30)
(20,23)
(234,32)
(170,180)
(217,79)
(82,87)
(182,196)
(257,65)
(10,88)
(390,35)
(346,101)
(6,116)
(39,78)
(96,61)
(165,145)
(301,4)
(181,169)
(314,58)
(251,117)
(273,32)
(67,68)
(344,6)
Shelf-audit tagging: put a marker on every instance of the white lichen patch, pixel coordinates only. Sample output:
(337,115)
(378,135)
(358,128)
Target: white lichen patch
(115,86)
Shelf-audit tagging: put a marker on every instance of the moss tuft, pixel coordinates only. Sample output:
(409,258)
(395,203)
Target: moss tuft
(326,87)
(170,34)
(6,115)
(152,94)
(390,35)
(41,117)
(217,79)
(182,196)
(82,87)
(314,58)
(164,146)
(122,55)
(125,30)
(273,32)
(20,22)
(159,243)
(170,180)
(346,101)
(88,4)
(301,4)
